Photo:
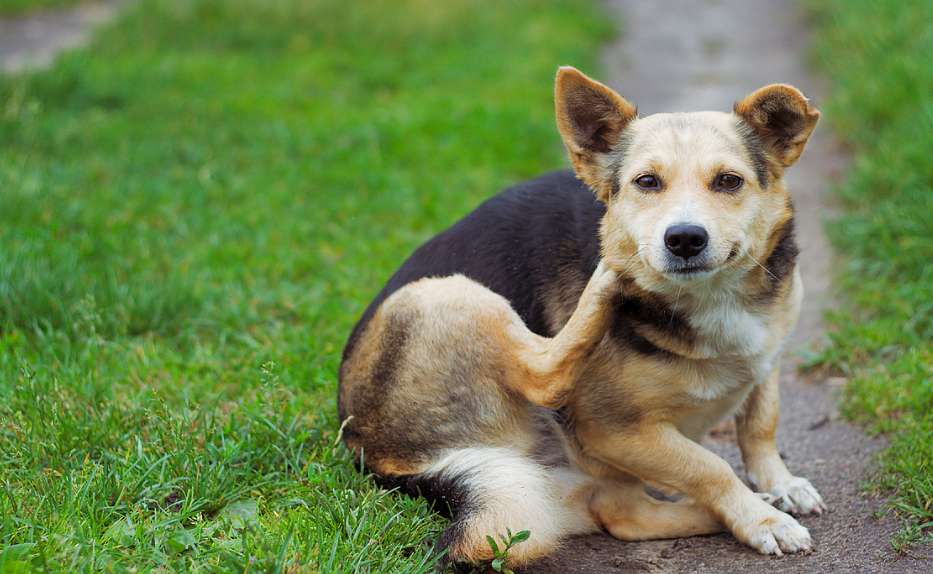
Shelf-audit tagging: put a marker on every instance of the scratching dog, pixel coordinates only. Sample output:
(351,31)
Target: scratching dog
(538,363)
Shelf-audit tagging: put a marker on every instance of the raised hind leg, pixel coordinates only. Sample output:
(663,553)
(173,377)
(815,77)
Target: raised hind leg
(545,369)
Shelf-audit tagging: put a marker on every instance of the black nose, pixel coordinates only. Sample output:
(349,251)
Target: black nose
(685,240)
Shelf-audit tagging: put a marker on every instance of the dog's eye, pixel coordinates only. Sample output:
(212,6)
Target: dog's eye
(729,181)
(648,182)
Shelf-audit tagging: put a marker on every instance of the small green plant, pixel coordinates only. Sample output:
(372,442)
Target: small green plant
(502,556)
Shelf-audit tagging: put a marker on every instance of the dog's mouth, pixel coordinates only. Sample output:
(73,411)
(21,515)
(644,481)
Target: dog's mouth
(690,272)
(692,268)
(696,268)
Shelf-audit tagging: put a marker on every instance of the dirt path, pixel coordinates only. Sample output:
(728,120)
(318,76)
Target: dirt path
(707,54)
(33,40)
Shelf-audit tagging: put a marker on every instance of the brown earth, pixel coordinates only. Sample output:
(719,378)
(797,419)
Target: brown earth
(33,40)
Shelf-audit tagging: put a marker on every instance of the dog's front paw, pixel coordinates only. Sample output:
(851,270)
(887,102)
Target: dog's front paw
(775,534)
(797,496)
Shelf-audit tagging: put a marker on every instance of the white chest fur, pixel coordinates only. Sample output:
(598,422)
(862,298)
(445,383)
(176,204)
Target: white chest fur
(736,349)
(727,329)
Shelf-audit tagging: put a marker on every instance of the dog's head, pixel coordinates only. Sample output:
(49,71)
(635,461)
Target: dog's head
(689,196)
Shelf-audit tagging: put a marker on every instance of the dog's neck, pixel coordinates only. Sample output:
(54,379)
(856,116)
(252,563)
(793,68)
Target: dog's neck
(708,321)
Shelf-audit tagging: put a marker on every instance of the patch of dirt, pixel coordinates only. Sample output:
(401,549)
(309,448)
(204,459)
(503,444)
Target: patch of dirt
(691,55)
(33,40)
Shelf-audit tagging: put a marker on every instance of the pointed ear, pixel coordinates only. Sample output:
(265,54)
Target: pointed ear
(590,118)
(783,119)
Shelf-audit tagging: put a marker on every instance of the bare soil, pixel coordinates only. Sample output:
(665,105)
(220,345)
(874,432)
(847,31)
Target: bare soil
(33,40)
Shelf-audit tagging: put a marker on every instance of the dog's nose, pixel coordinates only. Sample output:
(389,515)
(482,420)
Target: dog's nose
(685,240)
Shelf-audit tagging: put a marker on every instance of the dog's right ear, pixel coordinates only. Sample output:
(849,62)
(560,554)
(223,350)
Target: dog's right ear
(590,118)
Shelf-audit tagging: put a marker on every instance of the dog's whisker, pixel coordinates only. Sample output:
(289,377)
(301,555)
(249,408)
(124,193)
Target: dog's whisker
(768,271)
(674,309)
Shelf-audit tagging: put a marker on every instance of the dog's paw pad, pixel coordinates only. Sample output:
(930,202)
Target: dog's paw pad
(797,497)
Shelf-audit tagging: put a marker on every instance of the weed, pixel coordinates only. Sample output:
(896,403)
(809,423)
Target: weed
(499,563)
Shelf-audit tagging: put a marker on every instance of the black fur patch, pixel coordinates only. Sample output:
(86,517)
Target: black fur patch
(619,153)
(785,123)
(631,310)
(520,244)
(394,337)
(369,398)
(449,496)
(783,258)
(625,333)
(615,186)
(594,118)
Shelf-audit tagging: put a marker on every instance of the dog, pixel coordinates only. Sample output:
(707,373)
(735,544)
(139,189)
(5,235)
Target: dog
(567,343)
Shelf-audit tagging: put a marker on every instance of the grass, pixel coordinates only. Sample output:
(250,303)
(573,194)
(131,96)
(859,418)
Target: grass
(878,55)
(194,212)
(11,7)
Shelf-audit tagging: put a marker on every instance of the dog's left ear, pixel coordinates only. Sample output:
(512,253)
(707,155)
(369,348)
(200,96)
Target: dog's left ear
(590,118)
(783,119)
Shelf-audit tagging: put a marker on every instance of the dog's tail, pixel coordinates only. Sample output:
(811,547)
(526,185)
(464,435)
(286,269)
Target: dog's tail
(489,489)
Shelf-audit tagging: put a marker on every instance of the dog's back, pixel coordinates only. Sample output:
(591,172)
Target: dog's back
(536,246)
(529,244)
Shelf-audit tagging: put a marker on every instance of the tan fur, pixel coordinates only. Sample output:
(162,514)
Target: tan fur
(636,417)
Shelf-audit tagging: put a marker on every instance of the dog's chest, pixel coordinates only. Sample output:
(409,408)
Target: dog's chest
(733,347)
(704,391)
(728,329)
(736,349)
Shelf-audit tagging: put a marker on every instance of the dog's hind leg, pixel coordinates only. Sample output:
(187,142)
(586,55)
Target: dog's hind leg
(490,489)
(627,512)
(547,368)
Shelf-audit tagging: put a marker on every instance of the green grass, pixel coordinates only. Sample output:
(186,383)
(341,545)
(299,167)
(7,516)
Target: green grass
(21,6)
(878,55)
(194,212)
